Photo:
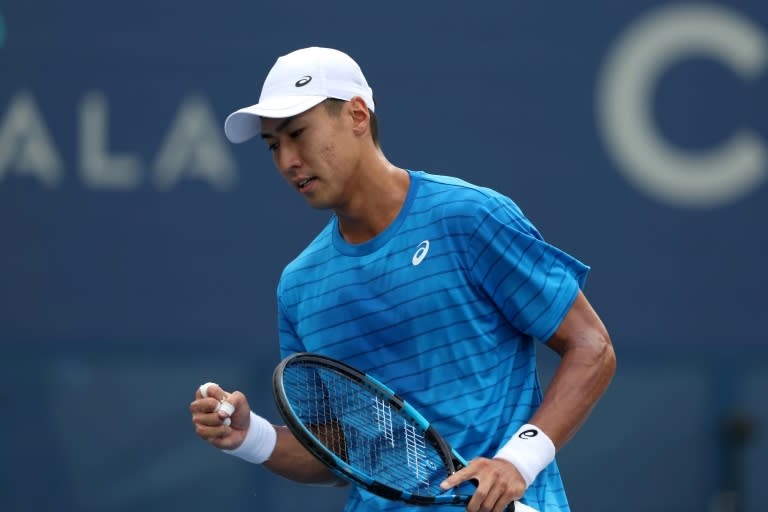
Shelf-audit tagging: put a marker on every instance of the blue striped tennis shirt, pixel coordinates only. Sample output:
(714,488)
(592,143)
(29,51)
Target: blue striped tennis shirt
(443,306)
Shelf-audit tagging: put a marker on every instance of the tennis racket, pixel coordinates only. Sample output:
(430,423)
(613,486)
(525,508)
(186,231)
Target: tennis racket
(366,434)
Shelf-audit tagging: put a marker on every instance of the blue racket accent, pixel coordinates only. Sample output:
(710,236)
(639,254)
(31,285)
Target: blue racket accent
(363,431)
(459,458)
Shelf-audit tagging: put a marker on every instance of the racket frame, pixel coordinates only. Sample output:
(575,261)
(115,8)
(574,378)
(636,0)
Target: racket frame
(451,459)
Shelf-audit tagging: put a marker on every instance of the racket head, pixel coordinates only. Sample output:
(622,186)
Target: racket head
(364,432)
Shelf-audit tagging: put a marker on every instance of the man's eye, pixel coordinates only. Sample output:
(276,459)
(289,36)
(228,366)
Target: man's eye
(295,134)
(272,147)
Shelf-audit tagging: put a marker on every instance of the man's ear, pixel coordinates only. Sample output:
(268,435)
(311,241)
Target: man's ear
(360,115)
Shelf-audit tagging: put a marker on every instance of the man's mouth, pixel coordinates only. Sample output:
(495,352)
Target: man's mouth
(303,183)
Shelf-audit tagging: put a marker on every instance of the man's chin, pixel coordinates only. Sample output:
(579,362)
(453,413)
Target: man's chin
(317,204)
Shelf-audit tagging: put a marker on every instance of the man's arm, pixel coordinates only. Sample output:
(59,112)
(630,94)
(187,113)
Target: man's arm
(585,370)
(587,366)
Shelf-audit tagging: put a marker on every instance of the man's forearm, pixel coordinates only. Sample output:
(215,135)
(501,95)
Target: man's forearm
(585,370)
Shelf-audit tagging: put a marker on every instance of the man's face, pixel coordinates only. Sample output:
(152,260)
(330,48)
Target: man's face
(315,152)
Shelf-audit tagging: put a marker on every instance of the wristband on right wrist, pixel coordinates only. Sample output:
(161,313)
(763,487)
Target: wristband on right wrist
(530,450)
(259,442)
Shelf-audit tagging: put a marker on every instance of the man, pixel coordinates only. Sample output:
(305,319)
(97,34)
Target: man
(433,285)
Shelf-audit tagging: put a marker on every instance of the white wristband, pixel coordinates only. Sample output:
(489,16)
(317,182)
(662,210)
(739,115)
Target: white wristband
(529,450)
(259,442)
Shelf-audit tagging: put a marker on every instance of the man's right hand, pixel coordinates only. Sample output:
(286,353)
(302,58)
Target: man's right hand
(209,422)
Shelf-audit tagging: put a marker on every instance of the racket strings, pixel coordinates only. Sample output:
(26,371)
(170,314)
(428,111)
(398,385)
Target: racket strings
(362,428)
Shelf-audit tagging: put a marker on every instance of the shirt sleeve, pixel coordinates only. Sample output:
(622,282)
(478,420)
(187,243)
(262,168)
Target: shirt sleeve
(289,340)
(532,283)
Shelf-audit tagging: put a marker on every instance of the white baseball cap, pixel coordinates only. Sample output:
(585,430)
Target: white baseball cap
(297,82)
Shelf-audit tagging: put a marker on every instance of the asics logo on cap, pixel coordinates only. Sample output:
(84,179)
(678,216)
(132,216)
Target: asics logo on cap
(303,81)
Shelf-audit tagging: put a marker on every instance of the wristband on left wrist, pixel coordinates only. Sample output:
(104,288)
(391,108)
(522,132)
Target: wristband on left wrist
(530,450)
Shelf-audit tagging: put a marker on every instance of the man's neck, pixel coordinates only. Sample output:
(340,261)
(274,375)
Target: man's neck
(376,206)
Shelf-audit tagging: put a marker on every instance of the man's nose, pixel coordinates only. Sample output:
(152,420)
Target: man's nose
(287,159)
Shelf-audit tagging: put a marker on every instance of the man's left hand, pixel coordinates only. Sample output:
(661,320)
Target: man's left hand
(499,484)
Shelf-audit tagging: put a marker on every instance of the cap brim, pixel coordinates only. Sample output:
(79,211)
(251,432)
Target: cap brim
(245,123)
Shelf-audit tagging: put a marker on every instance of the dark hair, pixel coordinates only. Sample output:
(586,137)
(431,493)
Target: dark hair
(333,107)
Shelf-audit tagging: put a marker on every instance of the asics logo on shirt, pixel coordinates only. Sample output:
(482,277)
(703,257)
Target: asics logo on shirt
(421,253)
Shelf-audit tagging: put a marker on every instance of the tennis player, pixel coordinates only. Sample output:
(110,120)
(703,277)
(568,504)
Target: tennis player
(438,287)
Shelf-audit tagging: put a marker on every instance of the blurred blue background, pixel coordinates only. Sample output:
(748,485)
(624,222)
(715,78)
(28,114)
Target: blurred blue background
(139,251)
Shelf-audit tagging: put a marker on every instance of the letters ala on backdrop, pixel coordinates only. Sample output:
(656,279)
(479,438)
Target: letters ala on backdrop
(193,148)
